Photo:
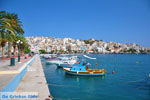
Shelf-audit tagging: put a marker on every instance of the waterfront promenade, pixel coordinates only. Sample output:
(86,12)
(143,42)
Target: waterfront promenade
(33,81)
(7,72)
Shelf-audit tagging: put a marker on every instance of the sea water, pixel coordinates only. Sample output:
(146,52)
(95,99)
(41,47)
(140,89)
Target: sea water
(127,78)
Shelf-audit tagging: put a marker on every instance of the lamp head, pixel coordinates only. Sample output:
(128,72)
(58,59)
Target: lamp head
(18,41)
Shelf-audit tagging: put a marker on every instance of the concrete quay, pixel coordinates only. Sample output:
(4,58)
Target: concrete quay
(7,72)
(32,82)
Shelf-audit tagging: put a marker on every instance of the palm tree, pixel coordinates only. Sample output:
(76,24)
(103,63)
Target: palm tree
(3,41)
(4,38)
(11,26)
(23,45)
(16,25)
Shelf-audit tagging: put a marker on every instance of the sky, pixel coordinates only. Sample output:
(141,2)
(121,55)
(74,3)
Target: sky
(124,21)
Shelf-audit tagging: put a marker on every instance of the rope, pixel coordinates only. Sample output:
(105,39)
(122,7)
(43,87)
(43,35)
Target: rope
(61,85)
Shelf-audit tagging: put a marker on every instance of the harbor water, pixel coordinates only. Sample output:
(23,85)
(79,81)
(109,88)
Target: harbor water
(127,78)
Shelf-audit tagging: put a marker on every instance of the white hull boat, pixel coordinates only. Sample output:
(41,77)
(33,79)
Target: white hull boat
(64,61)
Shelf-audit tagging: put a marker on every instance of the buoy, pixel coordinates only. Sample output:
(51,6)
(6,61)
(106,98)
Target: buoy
(88,64)
(113,72)
(137,62)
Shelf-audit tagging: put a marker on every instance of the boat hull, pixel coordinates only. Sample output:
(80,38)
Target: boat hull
(83,73)
(62,65)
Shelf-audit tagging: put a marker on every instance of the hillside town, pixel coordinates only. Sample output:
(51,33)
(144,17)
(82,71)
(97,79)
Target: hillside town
(69,45)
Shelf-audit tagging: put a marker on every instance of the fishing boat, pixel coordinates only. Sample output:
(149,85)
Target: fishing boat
(81,69)
(50,57)
(63,61)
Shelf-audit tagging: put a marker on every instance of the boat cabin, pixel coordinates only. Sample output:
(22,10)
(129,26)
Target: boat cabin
(79,68)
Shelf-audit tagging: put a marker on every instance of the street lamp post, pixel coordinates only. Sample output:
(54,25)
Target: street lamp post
(19,43)
(12,60)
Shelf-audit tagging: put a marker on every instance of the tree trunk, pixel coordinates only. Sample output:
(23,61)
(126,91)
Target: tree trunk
(22,52)
(2,46)
(15,54)
(9,49)
(17,50)
(2,52)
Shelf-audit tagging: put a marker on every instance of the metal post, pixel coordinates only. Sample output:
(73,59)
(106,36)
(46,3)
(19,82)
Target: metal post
(19,43)
(19,52)
(12,61)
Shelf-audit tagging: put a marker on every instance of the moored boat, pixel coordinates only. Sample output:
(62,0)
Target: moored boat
(63,61)
(80,69)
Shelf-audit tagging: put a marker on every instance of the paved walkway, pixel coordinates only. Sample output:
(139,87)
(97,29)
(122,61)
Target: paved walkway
(34,81)
(7,72)
(5,64)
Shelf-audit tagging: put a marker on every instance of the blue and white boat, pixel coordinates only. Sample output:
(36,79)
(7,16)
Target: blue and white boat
(81,69)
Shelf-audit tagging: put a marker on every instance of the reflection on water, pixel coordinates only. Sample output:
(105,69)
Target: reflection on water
(143,84)
(85,77)
(129,82)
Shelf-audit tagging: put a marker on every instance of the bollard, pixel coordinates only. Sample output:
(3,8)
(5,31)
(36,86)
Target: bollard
(12,61)
(18,58)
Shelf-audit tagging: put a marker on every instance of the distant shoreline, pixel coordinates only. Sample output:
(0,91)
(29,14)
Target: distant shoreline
(75,46)
(96,53)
